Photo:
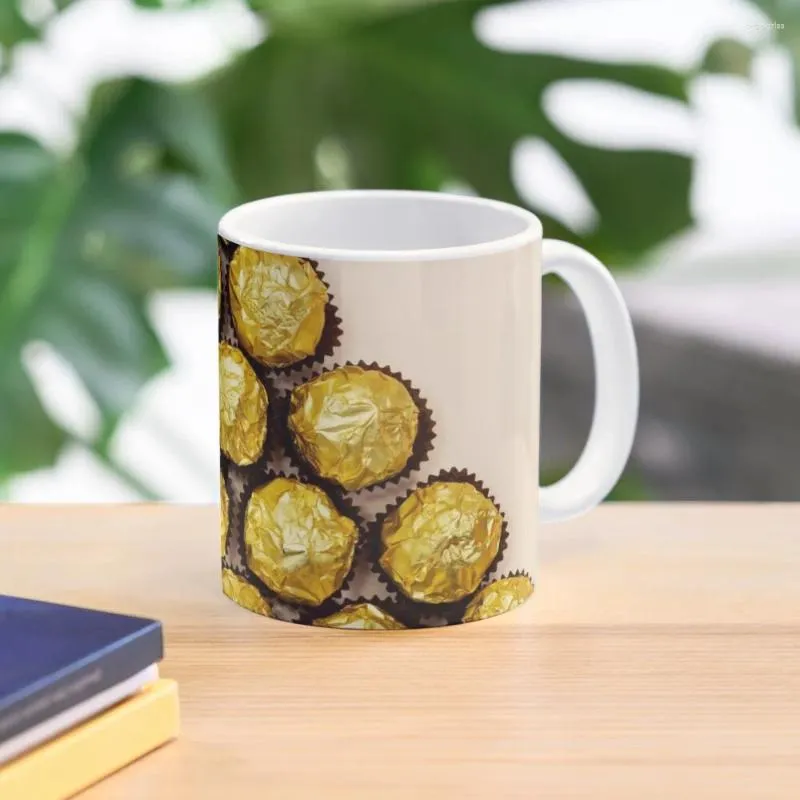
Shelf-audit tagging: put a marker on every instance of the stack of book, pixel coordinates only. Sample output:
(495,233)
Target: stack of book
(80,697)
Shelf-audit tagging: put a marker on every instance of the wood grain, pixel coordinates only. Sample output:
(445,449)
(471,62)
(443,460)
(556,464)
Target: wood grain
(659,658)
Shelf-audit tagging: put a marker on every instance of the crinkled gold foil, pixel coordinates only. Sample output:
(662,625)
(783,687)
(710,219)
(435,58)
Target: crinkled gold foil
(223,516)
(499,597)
(354,426)
(278,305)
(361,617)
(243,406)
(244,593)
(297,542)
(440,541)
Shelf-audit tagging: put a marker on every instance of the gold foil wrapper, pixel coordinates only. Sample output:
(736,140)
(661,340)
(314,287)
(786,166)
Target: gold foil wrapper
(297,542)
(278,305)
(361,617)
(243,406)
(440,541)
(244,593)
(223,517)
(498,597)
(354,426)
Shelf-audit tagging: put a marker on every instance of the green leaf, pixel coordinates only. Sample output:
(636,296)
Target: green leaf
(321,16)
(84,241)
(728,56)
(14,28)
(103,331)
(411,98)
(28,437)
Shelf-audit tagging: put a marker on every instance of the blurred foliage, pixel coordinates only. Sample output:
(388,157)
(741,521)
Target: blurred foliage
(85,239)
(412,99)
(786,15)
(781,24)
(730,57)
(629,487)
(13,26)
(362,93)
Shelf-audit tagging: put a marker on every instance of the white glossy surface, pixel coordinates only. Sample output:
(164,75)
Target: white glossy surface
(370,225)
(616,384)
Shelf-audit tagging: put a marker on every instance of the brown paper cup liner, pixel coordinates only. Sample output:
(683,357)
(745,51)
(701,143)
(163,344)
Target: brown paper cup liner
(421,614)
(331,331)
(225,327)
(423,444)
(224,478)
(252,480)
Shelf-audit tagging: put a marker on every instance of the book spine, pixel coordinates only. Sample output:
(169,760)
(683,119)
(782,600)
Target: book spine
(97,748)
(102,670)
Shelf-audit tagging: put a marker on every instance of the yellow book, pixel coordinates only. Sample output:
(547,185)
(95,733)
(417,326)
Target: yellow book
(95,749)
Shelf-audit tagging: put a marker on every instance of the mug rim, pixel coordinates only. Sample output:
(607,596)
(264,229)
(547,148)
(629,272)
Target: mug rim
(233,230)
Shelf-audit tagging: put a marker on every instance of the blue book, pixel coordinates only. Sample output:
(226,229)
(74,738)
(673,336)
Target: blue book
(53,657)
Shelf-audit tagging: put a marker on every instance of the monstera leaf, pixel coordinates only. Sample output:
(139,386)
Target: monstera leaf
(395,93)
(83,241)
(408,97)
(14,27)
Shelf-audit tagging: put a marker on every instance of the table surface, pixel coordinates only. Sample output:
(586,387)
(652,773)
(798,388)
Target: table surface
(660,657)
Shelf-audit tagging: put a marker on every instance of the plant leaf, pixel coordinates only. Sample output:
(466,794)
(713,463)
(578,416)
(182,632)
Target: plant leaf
(412,98)
(84,241)
(320,16)
(14,28)
(29,439)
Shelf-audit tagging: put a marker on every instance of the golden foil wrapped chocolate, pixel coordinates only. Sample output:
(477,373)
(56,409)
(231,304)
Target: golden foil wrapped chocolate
(243,406)
(278,305)
(244,593)
(297,542)
(439,542)
(354,426)
(361,617)
(223,516)
(498,597)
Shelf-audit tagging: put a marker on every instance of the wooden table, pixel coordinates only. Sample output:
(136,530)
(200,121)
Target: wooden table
(660,658)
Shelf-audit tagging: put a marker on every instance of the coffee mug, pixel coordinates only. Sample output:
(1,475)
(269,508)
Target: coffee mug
(379,405)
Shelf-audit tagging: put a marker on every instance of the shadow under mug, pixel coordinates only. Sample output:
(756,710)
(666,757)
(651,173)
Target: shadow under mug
(379,405)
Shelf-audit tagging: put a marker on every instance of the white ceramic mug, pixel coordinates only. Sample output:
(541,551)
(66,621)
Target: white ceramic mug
(401,490)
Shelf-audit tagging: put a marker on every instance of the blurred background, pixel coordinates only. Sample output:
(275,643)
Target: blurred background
(662,136)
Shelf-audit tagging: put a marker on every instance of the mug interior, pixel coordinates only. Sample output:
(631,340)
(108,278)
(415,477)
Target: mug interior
(357,224)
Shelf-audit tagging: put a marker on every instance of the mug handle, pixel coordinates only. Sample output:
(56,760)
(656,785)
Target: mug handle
(616,384)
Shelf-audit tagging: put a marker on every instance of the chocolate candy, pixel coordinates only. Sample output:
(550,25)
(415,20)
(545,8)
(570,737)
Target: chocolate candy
(223,516)
(278,305)
(498,597)
(297,541)
(440,541)
(244,593)
(353,425)
(243,405)
(362,617)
